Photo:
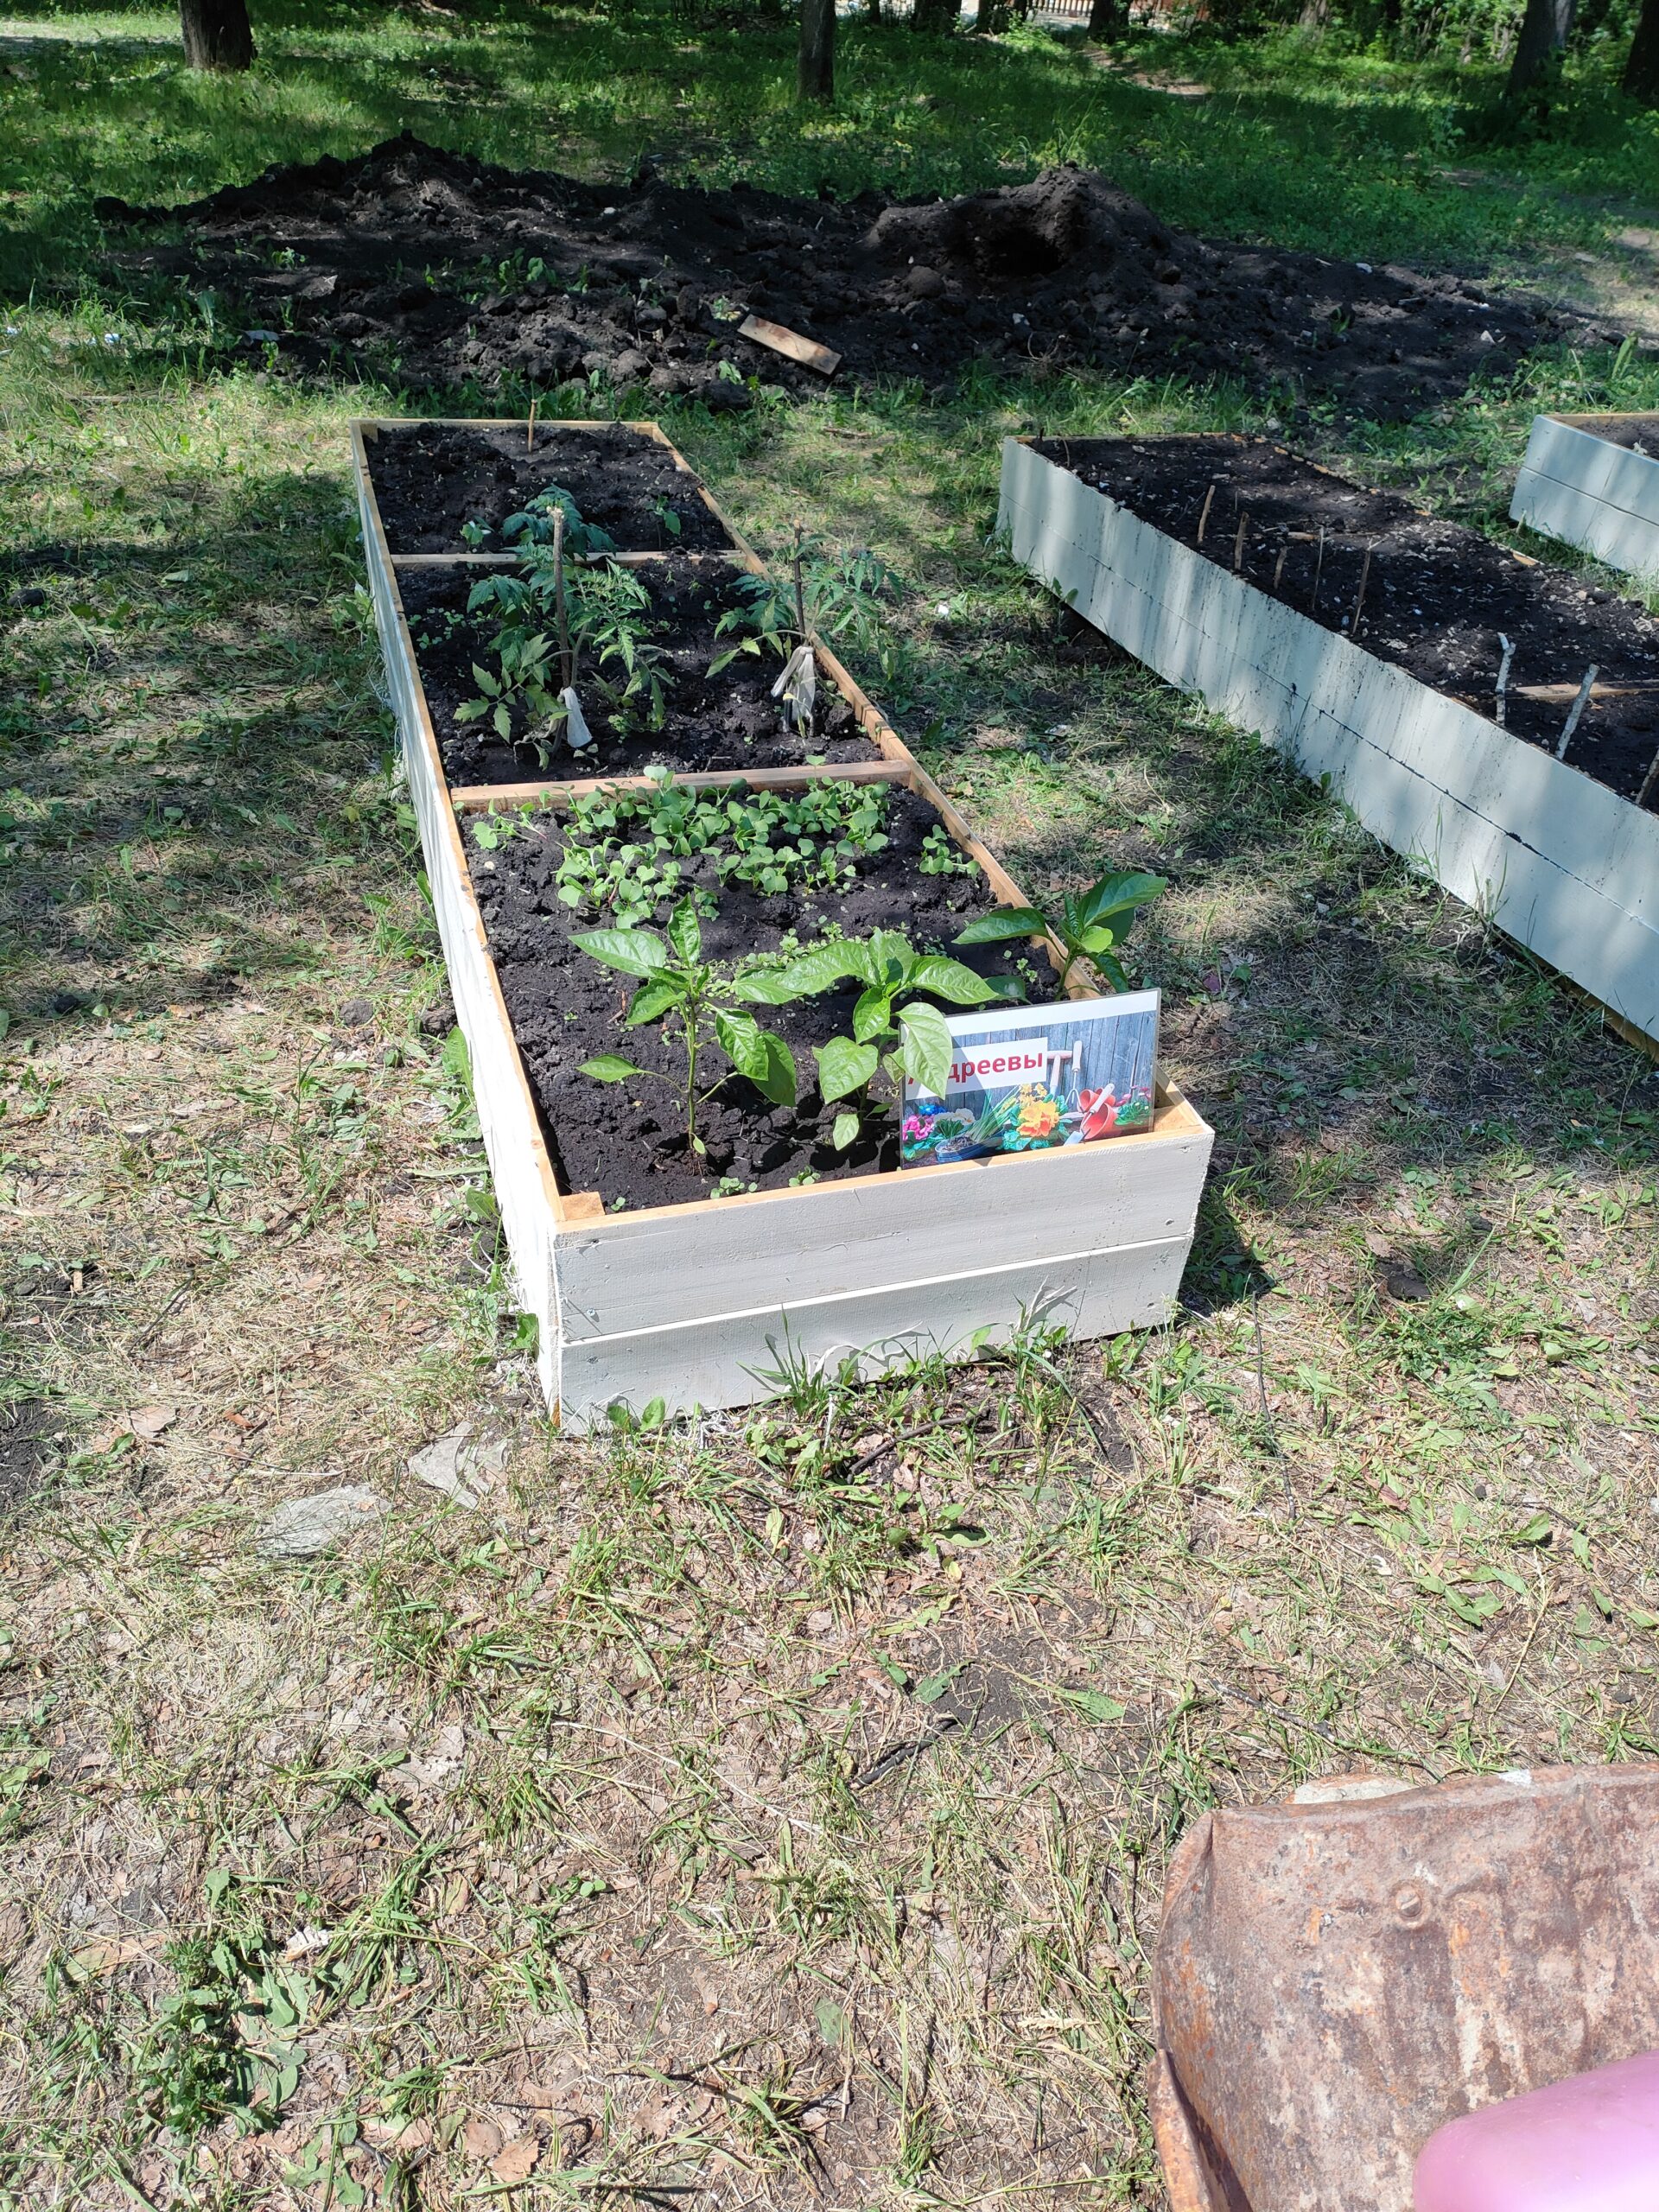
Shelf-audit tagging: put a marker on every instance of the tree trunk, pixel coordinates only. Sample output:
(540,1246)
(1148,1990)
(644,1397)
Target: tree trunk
(1545,29)
(1108,18)
(814,75)
(217,34)
(1641,77)
(933,15)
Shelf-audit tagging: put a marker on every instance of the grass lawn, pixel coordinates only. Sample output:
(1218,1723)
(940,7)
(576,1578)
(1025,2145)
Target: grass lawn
(773,1809)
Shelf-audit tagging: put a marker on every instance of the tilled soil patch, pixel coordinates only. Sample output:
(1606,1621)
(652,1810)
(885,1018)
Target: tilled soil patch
(1438,599)
(627,1140)
(431,478)
(391,263)
(1636,433)
(728,721)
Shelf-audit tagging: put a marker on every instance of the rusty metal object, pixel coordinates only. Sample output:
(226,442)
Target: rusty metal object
(1335,1980)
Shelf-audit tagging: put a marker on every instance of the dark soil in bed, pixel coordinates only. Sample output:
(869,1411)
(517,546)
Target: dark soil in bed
(430,481)
(391,264)
(1438,597)
(730,720)
(1636,433)
(627,1140)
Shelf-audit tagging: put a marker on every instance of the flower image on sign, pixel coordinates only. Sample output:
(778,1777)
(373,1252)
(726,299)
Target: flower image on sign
(1030,1080)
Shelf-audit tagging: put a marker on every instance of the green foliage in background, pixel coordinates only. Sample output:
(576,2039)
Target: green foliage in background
(102,104)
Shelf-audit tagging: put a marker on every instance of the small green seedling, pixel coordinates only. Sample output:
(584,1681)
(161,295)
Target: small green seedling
(533,526)
(1087,927)
(894,1028)
(675,980)
(942,855)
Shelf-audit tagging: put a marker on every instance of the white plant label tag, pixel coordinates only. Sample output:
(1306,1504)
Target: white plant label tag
(575,722)
(797,687)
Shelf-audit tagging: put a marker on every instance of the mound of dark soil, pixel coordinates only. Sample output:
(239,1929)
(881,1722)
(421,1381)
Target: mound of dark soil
(627,1140)
(1432,597)
(393,263)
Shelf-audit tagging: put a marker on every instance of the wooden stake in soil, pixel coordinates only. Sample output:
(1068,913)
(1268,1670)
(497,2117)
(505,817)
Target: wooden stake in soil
(1359,596)
(1279,565)
(1647,782)
(1577,711)
(1319,568)
(529,434)
(1503,705)
(567,667)
(1204,512)
(1238,542)
(800,595)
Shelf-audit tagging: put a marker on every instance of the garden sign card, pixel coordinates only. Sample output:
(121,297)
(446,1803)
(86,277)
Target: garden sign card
(1034,1078)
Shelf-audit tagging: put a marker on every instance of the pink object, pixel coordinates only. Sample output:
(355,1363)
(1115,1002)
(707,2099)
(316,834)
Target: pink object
(1590,2143)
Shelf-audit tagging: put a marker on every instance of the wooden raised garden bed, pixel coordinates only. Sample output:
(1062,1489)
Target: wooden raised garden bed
(1592,480)
(817,1253)
(1239,572)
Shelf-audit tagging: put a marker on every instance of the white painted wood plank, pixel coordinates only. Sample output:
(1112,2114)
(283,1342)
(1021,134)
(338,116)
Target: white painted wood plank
(1591,493)
(720,1362)
(519,1168)
(674,1265)
(1557,861)
(1617,475)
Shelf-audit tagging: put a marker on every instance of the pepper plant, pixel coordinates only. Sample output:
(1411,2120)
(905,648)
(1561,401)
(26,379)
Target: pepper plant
(700,997)
(1087,925)
(895,1028)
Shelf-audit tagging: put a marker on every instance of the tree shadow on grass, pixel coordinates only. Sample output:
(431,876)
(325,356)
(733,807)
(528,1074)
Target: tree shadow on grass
(193,750)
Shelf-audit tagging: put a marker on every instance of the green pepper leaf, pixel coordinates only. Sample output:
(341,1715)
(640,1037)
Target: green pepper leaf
(1119,896)
(634,952)
(653,999)
(821,969)
(925,1045)
(948,979)
(610,1067)
(683,934)
(843,1066)
(872,1016)
(1007,922)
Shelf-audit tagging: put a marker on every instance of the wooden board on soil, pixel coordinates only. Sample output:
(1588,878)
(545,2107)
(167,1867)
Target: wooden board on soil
(1431,597)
